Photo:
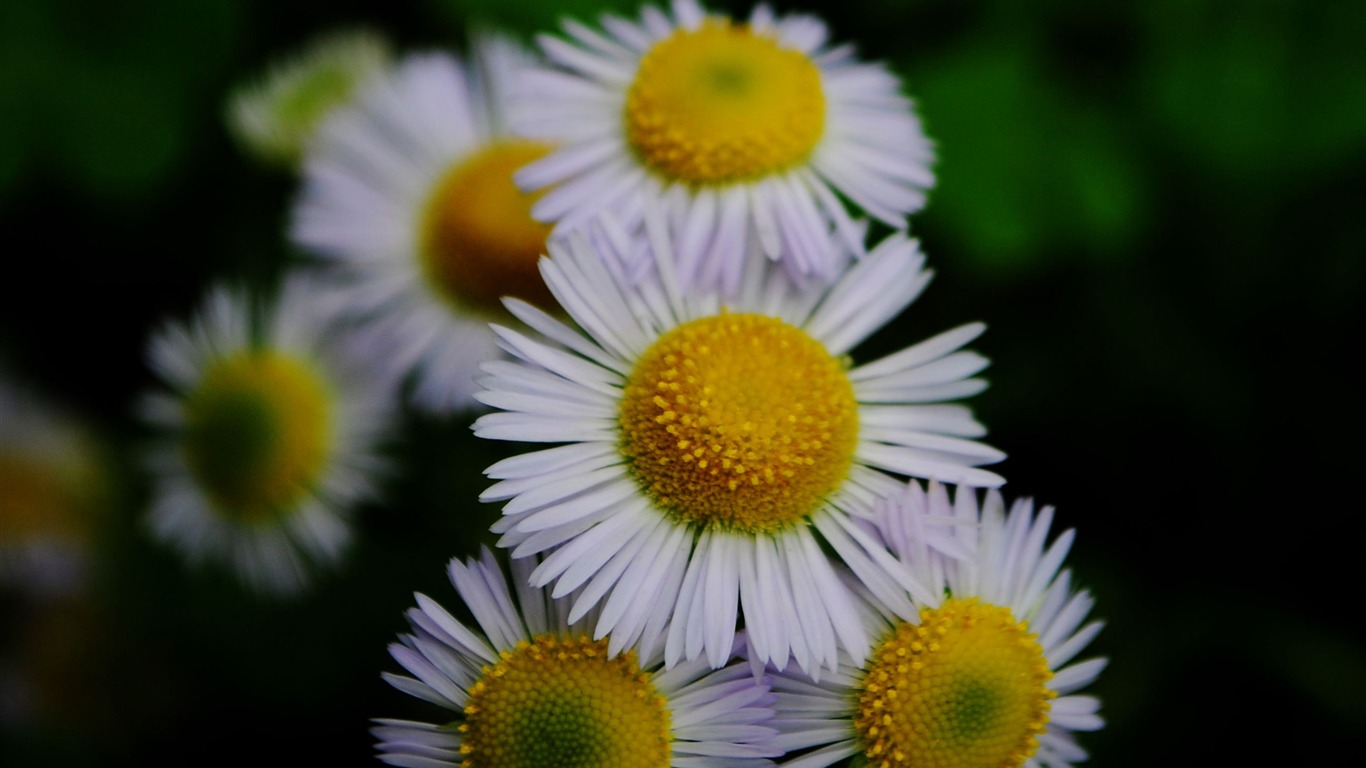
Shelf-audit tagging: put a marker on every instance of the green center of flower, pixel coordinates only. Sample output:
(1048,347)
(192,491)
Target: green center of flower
(965,688)
(479,242)
(257,433)
(316,94)
(720,103)
(564,702)
(740,421)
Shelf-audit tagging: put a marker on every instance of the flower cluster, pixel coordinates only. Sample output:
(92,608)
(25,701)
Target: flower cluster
(646,251)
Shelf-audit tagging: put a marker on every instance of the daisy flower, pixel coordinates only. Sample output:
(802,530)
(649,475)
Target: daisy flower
(712,447)
(409,195)
(981,672)
(715,133)
(529,688)
(268,437)
(51,493)
(276,116)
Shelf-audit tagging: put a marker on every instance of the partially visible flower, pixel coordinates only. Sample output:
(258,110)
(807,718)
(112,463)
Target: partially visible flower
(52,490)
(408,196)
(55,670)
(529,688)
(718,134)
(979,674)
(268,437)
(718,453)
(275,117)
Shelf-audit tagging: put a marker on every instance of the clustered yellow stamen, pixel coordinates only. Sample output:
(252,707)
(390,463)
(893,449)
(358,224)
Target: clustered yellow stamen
(564,702)
(479,242)
(257,433)
(740,421)
(963,689)
(720,103)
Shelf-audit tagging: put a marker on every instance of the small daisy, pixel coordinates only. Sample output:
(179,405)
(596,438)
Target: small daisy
(269,437)
(409,194)
(716,133)
(711,448)
(980,674)
(534,690)
(276,117)
(51,492)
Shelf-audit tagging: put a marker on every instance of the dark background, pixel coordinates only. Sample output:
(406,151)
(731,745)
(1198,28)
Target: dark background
(1159,209)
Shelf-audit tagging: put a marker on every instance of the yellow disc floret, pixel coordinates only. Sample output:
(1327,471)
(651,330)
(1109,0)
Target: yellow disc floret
(478,240)
(37,499)
(564,702)
(257,433)
(740,421)
(720,103)
(963,689)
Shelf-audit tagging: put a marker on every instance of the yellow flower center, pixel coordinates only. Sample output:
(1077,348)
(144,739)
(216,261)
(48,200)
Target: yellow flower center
(563,702)
(479,242)
(741,421)
(36,499)
(963,689)
(257,433)
(720,103)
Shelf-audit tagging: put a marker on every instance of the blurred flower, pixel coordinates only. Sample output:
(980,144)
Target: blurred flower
(971,669)
(276,117)
(409,195)
(532,690)
(270,437)
(52,490)
(707,440)
(716,134)
(62,672)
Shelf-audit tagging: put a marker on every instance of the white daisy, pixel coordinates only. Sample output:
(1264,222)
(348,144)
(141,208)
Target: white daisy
(52,492)
(532,690)
(979,674)
(714,133)
(269,435)
(275,117)
(409,194)
(711,447)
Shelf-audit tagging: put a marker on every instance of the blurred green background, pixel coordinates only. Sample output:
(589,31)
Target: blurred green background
(1159,209)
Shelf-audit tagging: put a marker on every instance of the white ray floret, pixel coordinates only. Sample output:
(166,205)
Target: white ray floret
(382,204)
(272,533)
(524,660)
(52,493)
(731,139)
(962,551)
(276,117)
(601,517)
